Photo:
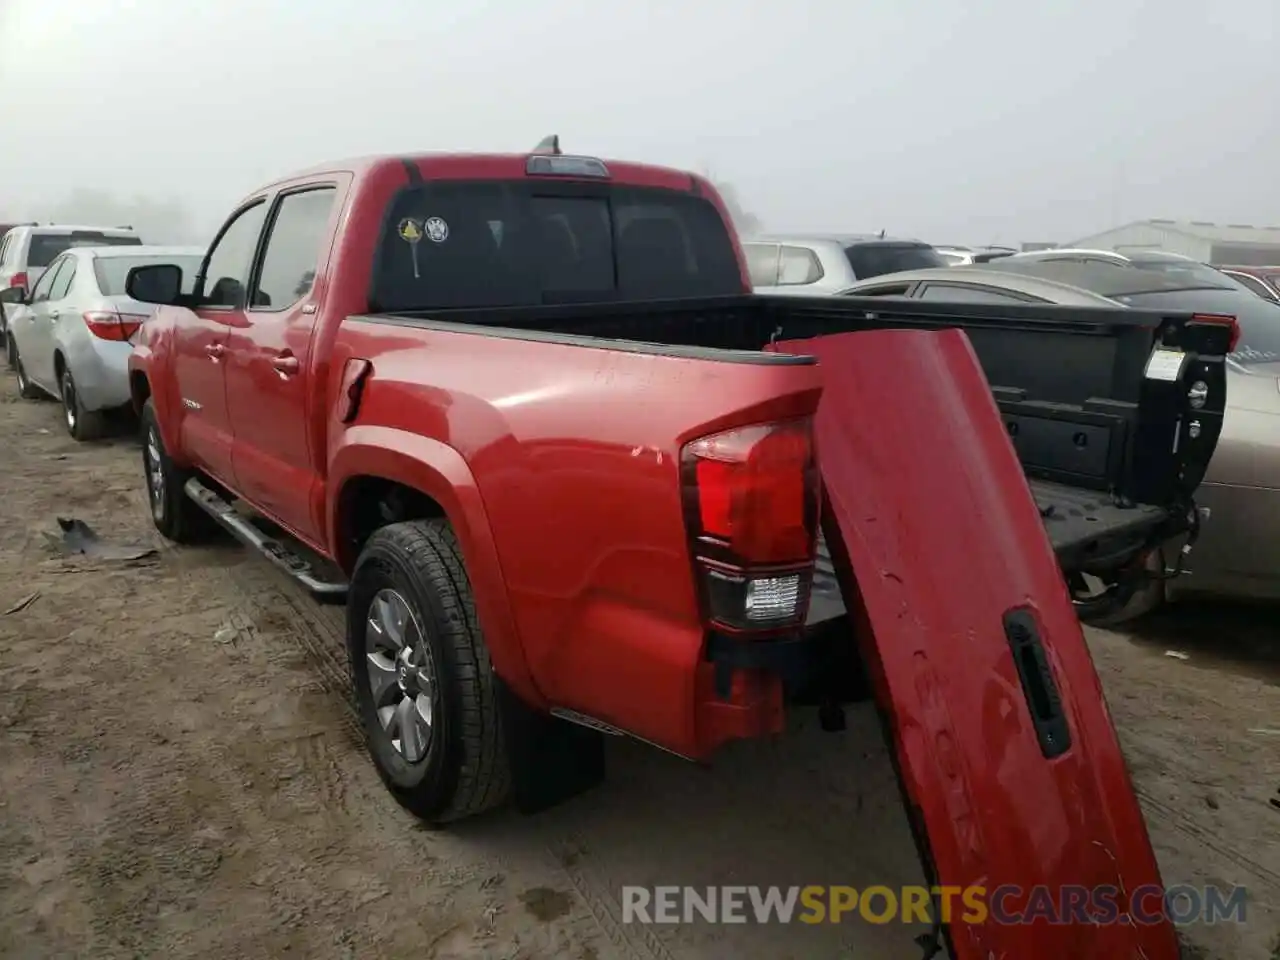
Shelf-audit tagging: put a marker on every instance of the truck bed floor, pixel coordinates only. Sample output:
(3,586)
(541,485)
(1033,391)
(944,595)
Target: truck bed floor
(1081,525)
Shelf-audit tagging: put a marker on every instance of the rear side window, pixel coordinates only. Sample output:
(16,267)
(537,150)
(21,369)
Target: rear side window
(493,244)
(46,246)
(762,263)
(5,244)
(798,266)
(958,293)
(293,248)
(876,259)
(66,275)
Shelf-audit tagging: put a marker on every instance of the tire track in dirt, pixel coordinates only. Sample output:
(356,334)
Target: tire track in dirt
(318,632)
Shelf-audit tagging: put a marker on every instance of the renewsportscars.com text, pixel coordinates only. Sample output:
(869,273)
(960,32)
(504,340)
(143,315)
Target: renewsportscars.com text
(967,905)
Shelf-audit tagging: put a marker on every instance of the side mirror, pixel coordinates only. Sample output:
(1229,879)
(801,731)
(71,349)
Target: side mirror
(155,283)
(13,295)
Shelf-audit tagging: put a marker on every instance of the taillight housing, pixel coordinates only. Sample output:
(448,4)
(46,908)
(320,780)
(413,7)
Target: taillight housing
(1225,320)
(751,507)
(18,280)
(110,325)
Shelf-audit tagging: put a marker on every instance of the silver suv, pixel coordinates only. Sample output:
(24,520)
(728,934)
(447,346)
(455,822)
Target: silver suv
(824,265)
(28,248)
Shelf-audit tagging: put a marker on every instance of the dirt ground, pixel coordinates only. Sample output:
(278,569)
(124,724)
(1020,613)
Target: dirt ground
(180,776)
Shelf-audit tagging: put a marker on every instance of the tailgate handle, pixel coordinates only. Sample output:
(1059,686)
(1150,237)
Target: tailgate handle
(1038,685)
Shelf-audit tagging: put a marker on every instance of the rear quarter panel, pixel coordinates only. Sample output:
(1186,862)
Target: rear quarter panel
(568,458)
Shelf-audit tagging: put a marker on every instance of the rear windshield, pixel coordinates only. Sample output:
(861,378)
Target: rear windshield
(495,244)
(1259,319)
(875,259)
(45,247)
(113,271)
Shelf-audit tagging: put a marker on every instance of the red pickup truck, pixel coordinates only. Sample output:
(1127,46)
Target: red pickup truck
(523,416)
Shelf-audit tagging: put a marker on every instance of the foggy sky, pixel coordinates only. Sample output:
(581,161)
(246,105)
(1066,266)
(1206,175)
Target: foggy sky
(955,120)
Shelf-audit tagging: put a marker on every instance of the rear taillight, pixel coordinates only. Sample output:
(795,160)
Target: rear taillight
(751,505)
(109,325)
(1222,320)
(18,280)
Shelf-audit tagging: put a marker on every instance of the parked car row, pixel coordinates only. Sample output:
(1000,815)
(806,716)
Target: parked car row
(68,323)
(1238,553)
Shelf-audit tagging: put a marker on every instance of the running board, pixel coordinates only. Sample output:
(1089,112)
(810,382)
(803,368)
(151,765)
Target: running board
(274,550)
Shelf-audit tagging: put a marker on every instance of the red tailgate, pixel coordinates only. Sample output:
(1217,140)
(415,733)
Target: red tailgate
(1016,782)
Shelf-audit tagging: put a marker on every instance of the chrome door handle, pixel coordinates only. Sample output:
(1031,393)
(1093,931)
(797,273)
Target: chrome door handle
(54,314)
(286,365)
(215,351)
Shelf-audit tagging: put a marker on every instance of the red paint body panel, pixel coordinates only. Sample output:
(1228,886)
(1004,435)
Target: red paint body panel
(942,536)
(574,456)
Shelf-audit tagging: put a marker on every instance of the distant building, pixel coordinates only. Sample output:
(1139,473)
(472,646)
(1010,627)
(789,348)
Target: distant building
(1207,242)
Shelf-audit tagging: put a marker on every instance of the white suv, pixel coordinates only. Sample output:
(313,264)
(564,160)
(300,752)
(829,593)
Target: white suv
(26,249)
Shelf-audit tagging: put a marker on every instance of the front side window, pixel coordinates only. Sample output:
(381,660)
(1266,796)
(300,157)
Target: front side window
(289,264)
(226,274)
(490,244)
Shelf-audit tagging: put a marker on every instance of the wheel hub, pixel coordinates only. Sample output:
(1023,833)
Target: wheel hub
(402,675)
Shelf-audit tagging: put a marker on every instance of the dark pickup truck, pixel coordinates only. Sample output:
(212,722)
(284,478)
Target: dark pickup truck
(521,414)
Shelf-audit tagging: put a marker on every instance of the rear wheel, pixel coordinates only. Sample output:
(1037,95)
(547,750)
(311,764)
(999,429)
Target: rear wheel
(82,424)
(423,680)
(26,389)
(175,515)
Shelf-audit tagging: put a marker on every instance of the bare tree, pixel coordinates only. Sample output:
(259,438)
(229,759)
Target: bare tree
(157,220)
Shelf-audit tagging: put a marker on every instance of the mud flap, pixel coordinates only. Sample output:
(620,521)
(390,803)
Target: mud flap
(1004,746)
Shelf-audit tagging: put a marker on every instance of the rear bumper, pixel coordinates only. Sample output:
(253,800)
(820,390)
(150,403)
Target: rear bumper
(101,372)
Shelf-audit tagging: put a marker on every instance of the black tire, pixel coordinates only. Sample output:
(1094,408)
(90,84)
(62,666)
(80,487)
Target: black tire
(11,352)
(26,389)
(82,424)
(464,771)
(175,515)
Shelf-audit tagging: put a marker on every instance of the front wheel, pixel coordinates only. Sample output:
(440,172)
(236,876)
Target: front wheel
(423,680)
(175,515)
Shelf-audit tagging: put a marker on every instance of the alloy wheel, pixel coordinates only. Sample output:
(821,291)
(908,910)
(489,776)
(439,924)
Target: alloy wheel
(402,675)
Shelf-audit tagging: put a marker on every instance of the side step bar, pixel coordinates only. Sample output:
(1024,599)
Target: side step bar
(274,550)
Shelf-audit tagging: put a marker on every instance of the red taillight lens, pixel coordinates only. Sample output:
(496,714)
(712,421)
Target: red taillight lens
(107,325)
(752,510)
(18,280)
(753,490)
(1222,320)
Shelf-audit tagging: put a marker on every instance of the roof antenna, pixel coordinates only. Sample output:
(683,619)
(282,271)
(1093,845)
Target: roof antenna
(549,145)
(882,234)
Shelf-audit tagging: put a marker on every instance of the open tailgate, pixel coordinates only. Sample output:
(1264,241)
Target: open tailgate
(1008,759)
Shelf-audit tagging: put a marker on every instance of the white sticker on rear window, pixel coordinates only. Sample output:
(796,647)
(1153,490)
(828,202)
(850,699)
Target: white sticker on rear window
(1165,364)
(437,230)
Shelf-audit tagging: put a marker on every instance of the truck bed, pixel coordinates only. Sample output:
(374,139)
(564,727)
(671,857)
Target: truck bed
(1082,525)
(1113,452)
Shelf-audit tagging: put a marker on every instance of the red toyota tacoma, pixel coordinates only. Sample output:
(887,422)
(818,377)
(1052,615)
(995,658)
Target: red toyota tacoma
(571,479)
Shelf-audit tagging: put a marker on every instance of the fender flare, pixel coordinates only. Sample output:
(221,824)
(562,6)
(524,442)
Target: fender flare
(439,471)
(143,360)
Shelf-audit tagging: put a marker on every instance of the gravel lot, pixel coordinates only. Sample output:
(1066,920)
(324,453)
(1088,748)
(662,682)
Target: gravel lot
(180,775)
